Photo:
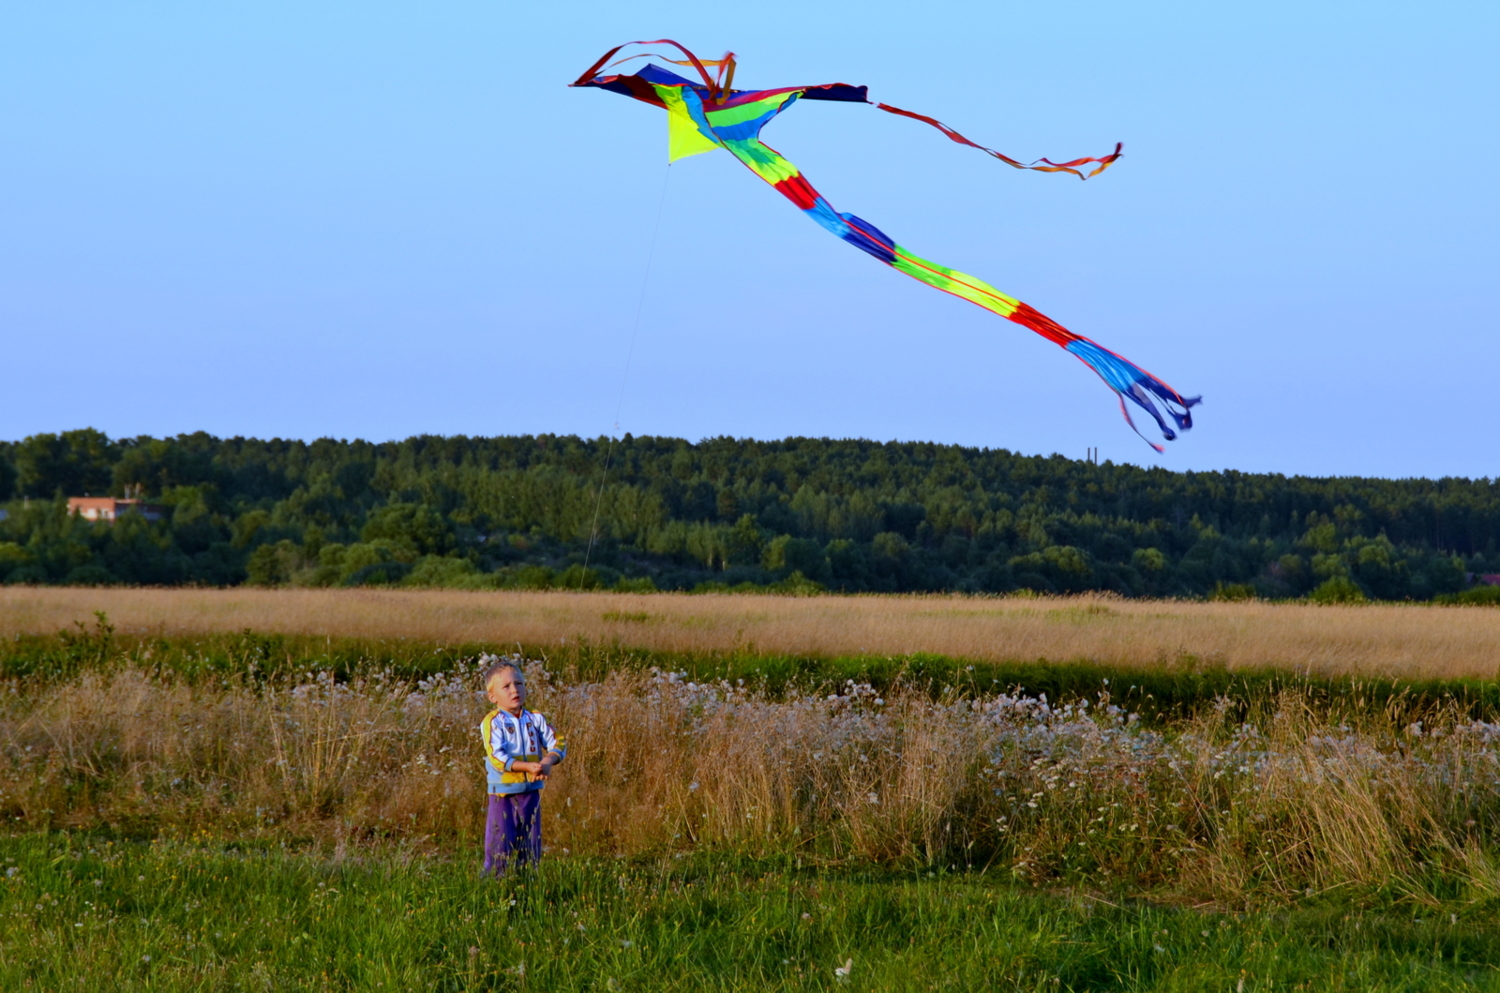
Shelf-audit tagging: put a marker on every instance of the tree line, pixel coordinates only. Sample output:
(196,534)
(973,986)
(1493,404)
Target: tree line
(663,513)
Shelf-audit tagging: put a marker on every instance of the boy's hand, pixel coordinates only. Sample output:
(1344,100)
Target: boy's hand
(541,770)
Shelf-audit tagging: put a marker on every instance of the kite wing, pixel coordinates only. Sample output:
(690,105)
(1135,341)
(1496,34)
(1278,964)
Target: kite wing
(708,113)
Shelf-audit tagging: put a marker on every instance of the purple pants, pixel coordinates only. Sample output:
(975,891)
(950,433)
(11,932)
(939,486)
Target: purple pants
(512,829)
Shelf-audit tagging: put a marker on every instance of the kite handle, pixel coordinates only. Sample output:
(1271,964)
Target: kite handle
(1105,161)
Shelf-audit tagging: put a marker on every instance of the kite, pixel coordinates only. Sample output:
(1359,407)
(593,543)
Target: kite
(710,114)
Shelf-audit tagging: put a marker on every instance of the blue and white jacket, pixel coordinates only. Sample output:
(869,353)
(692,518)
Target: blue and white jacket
(509,739)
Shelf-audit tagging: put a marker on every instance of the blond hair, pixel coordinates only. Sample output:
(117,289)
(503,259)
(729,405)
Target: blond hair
(498,666)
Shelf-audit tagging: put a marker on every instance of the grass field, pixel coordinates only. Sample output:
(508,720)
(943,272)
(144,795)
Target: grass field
(1241,804)
(1416,641)
(189,805)
(84,912)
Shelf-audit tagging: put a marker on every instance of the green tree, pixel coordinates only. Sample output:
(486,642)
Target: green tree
(744,543)
(861,515)
(75,462)
(786,554)
(274,565)
(415,526)
(158,465)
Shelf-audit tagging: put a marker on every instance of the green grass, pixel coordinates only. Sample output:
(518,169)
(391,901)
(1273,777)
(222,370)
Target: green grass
(86,912)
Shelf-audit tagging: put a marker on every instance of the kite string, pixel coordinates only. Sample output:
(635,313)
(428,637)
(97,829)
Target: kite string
(640,306)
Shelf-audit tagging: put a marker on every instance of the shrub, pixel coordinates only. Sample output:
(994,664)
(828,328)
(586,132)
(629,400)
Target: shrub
(577,577)
(1338,589)
(1477,596)
(529,577)
(1231,592)
(436,570)
(90,575)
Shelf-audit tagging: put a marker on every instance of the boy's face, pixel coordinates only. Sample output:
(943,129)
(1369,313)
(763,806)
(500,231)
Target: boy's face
(507,690)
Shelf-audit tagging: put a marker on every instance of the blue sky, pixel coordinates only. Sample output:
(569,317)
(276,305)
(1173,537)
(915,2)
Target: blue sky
(377,220)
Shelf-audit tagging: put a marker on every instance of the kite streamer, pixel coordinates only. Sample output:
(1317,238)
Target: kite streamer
(710,114)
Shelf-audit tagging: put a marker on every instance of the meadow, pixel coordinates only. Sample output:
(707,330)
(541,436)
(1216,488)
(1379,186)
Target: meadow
(1235,805)
(94,913)
(763,813)
(1412,641)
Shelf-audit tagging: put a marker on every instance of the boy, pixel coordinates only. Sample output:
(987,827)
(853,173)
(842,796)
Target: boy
(520,750)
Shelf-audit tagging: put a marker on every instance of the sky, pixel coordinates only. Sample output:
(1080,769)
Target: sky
(378,220)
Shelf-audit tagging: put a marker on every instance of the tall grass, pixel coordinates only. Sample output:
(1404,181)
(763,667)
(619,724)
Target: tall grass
(1227,805)
(1414,641)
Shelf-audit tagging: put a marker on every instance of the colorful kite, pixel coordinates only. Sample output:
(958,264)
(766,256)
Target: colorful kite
(709,114)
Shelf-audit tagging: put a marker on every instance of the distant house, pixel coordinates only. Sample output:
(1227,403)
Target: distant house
(110,509)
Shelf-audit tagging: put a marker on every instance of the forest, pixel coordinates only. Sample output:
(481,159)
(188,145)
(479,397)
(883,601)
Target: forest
(796,515)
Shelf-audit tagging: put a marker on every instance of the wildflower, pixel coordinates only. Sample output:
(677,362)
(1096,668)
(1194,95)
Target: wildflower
(842,972)
(806,916)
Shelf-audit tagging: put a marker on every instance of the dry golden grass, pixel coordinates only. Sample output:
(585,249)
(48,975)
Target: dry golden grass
(1412,641)
(1284,803)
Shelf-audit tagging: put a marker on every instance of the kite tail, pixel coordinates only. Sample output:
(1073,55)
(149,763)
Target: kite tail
(1137,385)
(1127,379)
